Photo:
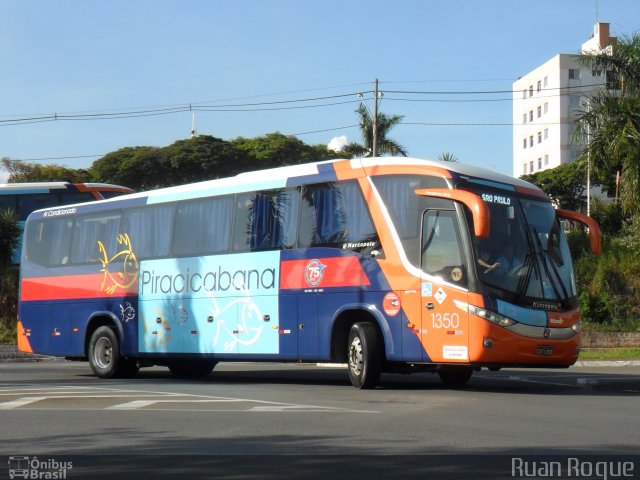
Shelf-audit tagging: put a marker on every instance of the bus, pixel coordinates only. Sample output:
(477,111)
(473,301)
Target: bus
(24,198)
(382,264)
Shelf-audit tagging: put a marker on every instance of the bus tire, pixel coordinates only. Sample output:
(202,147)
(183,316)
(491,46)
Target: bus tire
(104,355)
(455,376)
(364,355)
(191,368)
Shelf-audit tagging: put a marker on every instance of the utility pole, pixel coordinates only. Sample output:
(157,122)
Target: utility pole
(375,119)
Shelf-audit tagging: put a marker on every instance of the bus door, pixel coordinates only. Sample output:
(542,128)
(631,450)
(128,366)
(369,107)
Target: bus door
(444,333)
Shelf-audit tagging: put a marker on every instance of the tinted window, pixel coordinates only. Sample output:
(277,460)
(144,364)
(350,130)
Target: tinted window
(29,203)
(110,194)
(265,220)
(334,215)
(406,207)
(68,198)
(8,202)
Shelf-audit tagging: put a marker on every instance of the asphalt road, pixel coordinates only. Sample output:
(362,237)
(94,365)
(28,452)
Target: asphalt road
(59,408)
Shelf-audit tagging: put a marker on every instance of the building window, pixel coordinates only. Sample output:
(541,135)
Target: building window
(539,86)
(539,112)
(546,107)
(539,137)
(531,115)
(531,141)
(530,91)
(524,119)
(531,166)
(546,81)
(524,169)
(546,133)
(596,72)
(524,143)
(574,101)
(524,93)
(574,74)
(546,160)
(539,163)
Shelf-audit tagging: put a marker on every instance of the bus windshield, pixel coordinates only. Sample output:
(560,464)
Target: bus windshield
(526,255)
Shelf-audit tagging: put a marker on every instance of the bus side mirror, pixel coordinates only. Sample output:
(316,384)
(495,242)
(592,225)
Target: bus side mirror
(479,209)
(595,242)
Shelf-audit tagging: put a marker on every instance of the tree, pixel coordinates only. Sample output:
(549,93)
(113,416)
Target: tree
(20,171)
(565,185)
(385,145)
(203,158)
(611,122)
(276,150)
(140,168)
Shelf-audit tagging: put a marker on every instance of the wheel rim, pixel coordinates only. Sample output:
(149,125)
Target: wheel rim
(103,352)
(355,356)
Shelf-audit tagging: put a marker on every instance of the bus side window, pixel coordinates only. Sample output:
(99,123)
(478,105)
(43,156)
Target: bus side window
(35,201)
(334,214)
(442,253)
(48,241)
(203,226)
(285,221)
(265,220)
(8,202)
(91,229)
(147,229)
(67,198)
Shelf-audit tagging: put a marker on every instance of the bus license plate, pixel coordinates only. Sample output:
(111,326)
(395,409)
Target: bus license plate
(544,350)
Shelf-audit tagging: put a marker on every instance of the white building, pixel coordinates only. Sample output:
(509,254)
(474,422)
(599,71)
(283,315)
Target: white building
(546,103)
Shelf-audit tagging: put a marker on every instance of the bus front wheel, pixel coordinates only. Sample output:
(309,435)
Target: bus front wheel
(105,358)
(364,355)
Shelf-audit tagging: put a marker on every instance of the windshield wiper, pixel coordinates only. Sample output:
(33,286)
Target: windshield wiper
(544,257)
(523,282)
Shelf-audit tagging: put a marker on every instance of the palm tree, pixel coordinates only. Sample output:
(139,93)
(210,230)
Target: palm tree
(9,236)
(447,157)
(612,120)
(385,145)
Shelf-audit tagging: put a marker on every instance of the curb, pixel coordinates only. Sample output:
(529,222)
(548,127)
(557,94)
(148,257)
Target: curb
(10,354)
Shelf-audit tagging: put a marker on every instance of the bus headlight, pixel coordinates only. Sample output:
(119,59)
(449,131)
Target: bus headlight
(577,327)
(493,317)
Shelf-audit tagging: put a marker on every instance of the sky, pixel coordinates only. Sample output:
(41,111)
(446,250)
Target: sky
(80,79)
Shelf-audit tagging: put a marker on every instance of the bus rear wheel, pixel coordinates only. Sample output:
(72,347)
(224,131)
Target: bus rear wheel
(364,355)
(104,355)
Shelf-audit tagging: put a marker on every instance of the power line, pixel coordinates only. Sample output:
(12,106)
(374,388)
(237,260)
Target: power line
(277,105)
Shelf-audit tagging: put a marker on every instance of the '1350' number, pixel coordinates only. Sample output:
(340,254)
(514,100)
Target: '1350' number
(445,320)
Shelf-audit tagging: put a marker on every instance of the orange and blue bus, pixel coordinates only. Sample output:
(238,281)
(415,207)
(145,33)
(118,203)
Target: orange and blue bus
(382,264)
(24,198)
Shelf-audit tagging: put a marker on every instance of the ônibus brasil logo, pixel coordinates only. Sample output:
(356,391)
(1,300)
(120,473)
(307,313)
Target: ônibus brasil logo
(314,272)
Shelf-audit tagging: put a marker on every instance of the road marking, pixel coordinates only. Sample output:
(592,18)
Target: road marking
(132,405)
(146,400)
(20,402)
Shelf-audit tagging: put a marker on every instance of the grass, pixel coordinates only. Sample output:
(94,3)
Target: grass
(630,353)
